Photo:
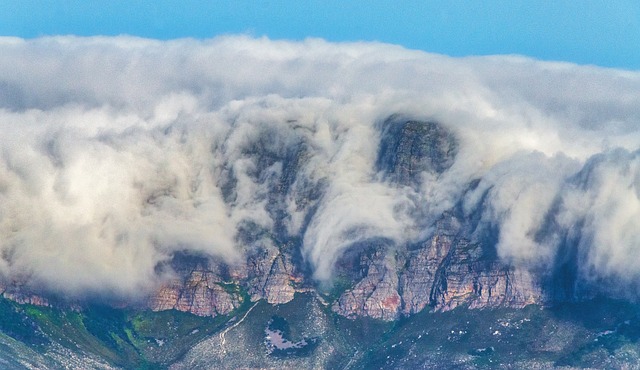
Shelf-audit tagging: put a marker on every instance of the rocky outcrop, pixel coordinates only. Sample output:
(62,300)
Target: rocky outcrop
(23,298)
(419,274)
(383,281)
(467,277)
(441,275)
(376,295)
(271,275)
(208,287)
(202,293)
(409,148)
(19,293)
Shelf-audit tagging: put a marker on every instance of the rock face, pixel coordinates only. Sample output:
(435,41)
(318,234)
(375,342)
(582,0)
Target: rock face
(380,280)
(271,276)
(374,278)
(454,266)
(410,148)
(376,294)
(201,293)
(420,273)
(440,274)
(207,287)
(467,277)
(19,293)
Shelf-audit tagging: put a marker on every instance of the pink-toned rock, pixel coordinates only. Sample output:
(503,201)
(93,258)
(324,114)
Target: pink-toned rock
(417,279)
(271,276)
(376,295)
(467,278)
(17,292)
(202,293)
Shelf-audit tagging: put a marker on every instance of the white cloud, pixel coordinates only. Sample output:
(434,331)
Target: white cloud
(116,152)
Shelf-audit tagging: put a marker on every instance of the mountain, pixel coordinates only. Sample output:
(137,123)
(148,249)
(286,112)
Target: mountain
(386,295)
(457,264)
(375,277)
(256,203)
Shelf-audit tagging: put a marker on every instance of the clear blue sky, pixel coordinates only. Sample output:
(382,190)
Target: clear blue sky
(604,32)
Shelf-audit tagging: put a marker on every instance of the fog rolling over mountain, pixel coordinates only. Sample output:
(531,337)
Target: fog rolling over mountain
(117,153)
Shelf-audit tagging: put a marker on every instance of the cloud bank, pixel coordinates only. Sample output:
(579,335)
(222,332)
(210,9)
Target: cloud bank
(116,153)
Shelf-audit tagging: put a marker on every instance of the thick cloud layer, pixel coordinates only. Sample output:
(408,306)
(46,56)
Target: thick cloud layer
(117,152)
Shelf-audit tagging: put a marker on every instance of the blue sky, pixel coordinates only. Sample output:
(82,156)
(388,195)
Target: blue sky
(604,33)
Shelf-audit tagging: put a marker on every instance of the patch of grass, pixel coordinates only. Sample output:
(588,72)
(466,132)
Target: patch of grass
(122,337)
(18,324)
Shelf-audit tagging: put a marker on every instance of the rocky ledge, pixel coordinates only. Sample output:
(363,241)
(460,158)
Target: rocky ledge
(373,279)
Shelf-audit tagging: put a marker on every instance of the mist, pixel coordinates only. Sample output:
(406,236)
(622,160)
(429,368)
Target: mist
(118,152)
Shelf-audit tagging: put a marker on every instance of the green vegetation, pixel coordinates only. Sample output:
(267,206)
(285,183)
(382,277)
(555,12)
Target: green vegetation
(16,322)
(125,338)
(599,334)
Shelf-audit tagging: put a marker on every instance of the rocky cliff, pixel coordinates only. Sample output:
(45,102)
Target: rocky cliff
(374,278)
(17,292)
(454,264)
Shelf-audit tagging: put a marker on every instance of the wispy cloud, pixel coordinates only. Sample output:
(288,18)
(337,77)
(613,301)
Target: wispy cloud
(117,152)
